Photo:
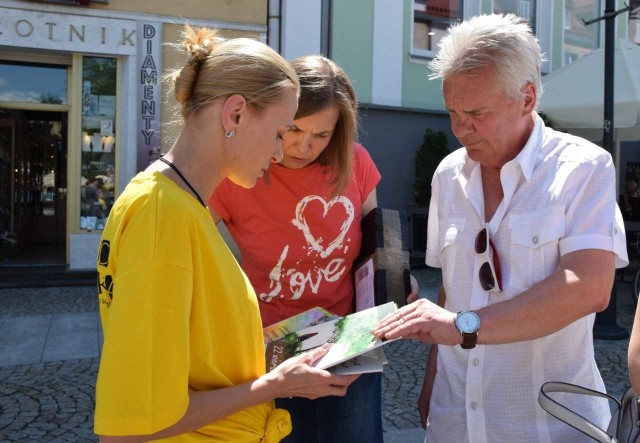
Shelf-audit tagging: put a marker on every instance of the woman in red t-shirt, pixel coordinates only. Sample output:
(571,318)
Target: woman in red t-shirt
(298,232)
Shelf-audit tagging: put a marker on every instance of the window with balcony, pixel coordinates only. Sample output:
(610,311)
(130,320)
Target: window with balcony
(431,18)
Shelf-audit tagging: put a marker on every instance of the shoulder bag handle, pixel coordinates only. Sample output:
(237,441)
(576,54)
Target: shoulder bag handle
(569,417)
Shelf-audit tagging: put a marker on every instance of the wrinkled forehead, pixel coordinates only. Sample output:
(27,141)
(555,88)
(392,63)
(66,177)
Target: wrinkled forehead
(475,85)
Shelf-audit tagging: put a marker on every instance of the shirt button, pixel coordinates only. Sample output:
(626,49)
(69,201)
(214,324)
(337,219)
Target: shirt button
(535,239)
(476,362)
(615,230)
(473,405)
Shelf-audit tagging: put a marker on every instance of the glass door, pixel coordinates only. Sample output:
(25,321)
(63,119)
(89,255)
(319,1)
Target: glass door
(34,109)
(34,144)
(7,237)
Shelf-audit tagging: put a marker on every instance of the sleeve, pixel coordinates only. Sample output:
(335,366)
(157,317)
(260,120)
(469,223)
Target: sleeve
(368,175)
(222,199)
(593,219)
(143,381)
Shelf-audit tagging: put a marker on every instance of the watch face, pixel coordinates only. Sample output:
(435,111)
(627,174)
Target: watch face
(468,322)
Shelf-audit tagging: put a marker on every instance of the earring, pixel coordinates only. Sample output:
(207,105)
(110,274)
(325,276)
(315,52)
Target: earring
(230,134)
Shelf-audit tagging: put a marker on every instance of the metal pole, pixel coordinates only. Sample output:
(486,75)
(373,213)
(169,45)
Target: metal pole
(605,326)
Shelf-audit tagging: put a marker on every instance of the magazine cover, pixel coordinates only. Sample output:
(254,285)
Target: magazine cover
(348,337)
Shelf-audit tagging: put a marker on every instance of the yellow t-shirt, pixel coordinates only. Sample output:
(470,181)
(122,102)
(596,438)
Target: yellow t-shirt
(178,314)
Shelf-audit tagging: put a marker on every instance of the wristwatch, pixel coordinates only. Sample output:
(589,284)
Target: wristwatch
(468,324)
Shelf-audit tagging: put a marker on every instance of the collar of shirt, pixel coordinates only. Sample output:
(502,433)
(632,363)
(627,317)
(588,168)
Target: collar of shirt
(510,175)
(529,153)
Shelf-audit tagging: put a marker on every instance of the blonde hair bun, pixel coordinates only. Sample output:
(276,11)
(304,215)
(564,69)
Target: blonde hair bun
(198,43)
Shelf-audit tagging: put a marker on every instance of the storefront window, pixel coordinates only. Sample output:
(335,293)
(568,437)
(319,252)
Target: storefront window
(98,141)
(580,39)
(522,8)
(33,83)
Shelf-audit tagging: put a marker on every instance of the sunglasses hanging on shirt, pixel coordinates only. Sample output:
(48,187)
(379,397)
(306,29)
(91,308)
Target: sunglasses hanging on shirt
(489,274)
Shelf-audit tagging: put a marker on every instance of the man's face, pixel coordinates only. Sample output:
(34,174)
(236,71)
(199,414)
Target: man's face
(492,127)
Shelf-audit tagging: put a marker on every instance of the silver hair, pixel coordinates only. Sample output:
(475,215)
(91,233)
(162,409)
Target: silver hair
(504,41)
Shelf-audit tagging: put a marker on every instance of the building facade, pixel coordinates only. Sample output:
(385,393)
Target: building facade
(82,109)
(385,45)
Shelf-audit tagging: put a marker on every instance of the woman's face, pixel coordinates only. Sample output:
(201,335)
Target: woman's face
(308,137)
(259,142)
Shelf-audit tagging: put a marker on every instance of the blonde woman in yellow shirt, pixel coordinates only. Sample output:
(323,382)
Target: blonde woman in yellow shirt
(183,356)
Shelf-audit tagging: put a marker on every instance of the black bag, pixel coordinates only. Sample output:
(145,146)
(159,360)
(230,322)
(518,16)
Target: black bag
(623,427)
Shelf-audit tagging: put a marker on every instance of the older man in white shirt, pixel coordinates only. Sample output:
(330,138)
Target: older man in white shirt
(523,222)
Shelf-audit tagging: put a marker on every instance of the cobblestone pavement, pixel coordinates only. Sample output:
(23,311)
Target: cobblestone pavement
(48,402)
(39,301)
(54,402)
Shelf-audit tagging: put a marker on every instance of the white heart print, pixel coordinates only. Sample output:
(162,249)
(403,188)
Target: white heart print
(301,223)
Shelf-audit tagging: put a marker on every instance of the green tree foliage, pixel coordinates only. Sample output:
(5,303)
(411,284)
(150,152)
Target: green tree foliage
(434,148)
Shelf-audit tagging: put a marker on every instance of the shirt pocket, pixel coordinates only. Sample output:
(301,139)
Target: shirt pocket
(450,229)
(535,246)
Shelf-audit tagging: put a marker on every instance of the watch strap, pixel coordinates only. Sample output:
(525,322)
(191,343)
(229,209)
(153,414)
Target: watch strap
(469,340)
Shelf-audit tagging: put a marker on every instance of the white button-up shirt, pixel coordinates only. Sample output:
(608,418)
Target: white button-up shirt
(559,197)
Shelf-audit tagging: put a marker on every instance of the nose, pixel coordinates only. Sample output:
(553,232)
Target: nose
(303,144)
(278,155)
(461,126)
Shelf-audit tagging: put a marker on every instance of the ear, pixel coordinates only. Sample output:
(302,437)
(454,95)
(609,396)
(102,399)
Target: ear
(530,98)
(234,111)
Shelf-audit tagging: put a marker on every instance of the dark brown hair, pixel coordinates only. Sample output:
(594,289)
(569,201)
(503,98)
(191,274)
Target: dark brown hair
(323,84)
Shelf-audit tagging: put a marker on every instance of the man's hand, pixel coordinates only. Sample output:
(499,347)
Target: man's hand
(421,320)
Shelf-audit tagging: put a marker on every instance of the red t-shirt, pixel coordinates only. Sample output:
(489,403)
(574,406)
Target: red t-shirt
(297,242)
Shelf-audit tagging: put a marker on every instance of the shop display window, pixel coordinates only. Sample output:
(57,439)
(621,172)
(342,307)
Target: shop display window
(98,141)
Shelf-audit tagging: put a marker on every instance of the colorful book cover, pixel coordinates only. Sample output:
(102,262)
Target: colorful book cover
(305,319)
(347,337)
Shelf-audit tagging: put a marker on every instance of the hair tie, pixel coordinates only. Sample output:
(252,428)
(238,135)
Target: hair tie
(199,53)
(196,60)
